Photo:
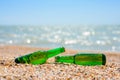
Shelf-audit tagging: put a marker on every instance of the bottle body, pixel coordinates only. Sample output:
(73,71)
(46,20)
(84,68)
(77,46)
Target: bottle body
(39,57)
(88,59)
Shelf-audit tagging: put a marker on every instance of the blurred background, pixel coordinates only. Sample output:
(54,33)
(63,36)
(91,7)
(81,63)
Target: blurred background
(74,24)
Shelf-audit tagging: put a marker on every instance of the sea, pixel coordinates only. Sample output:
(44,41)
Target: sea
(79,37)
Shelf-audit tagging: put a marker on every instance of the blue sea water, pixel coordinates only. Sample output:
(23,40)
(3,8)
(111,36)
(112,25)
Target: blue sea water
(82,37)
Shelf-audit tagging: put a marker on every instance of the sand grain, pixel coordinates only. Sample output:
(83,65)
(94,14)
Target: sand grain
(9,70)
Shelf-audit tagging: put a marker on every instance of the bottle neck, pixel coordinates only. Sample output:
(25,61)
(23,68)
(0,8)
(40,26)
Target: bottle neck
(53,52)
(66,59)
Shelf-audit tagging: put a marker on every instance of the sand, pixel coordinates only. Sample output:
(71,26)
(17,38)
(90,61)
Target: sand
(9,70)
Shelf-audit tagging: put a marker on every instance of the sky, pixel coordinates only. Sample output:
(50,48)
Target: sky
(60,12)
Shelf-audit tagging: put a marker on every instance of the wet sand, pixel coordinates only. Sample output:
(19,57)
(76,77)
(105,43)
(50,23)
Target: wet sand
(9,70)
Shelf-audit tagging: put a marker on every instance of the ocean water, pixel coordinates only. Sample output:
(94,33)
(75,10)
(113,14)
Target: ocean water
(82,37)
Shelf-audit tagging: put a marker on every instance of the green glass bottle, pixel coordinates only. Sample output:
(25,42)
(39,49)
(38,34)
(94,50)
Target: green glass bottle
(88,59)
(39,57)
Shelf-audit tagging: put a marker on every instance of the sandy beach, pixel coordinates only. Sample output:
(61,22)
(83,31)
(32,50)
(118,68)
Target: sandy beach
(9,70)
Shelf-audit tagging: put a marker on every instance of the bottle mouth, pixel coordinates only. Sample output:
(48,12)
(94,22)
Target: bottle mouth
(62,49)
(17,61)
(57,58)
